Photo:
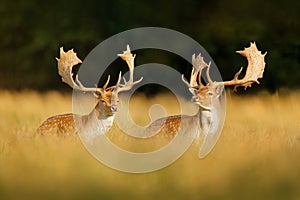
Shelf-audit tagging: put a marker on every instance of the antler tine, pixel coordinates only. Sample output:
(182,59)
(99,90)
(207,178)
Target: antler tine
(119,80)
(129,58)
(185,81)
(210,81)
(65,64)
(200,80)
(255,68)
(106,84)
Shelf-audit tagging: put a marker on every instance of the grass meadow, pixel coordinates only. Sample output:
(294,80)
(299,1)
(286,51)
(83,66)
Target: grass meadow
(256,157)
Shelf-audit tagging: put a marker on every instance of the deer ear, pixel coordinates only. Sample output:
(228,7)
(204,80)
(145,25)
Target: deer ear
(97,94)
(219,89)
(192,90)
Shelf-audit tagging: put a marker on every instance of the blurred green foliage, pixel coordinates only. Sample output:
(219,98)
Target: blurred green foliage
(31,32)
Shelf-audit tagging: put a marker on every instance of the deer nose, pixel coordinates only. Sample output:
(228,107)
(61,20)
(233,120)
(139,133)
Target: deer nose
(114,108)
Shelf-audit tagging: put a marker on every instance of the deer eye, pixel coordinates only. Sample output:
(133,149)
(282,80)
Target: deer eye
(210,93)
(102,100)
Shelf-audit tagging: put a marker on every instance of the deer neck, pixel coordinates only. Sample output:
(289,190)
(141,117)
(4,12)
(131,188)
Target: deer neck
(208,120)
(96,123)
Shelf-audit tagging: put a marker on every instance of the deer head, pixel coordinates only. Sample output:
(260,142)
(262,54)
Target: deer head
(107,97)
(206,95)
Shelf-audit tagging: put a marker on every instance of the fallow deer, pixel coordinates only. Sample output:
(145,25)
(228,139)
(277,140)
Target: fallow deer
(100,119)
(207,97)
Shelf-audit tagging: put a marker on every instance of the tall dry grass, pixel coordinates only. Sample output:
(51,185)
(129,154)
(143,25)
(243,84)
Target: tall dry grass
(257,156)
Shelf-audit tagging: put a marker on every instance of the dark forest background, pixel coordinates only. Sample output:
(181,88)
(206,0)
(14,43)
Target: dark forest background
(32,31)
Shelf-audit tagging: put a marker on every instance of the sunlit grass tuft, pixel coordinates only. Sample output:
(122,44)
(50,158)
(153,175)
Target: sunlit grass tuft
(257,156)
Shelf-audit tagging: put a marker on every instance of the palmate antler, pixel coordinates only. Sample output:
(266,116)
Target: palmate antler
(65,63)
(255,68)
(128,57)
(69,59)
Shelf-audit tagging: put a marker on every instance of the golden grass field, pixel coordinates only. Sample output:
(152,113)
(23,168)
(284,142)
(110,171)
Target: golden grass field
(256,157)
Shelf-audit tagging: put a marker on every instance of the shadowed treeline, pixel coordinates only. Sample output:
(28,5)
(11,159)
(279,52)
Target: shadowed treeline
(32,31)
